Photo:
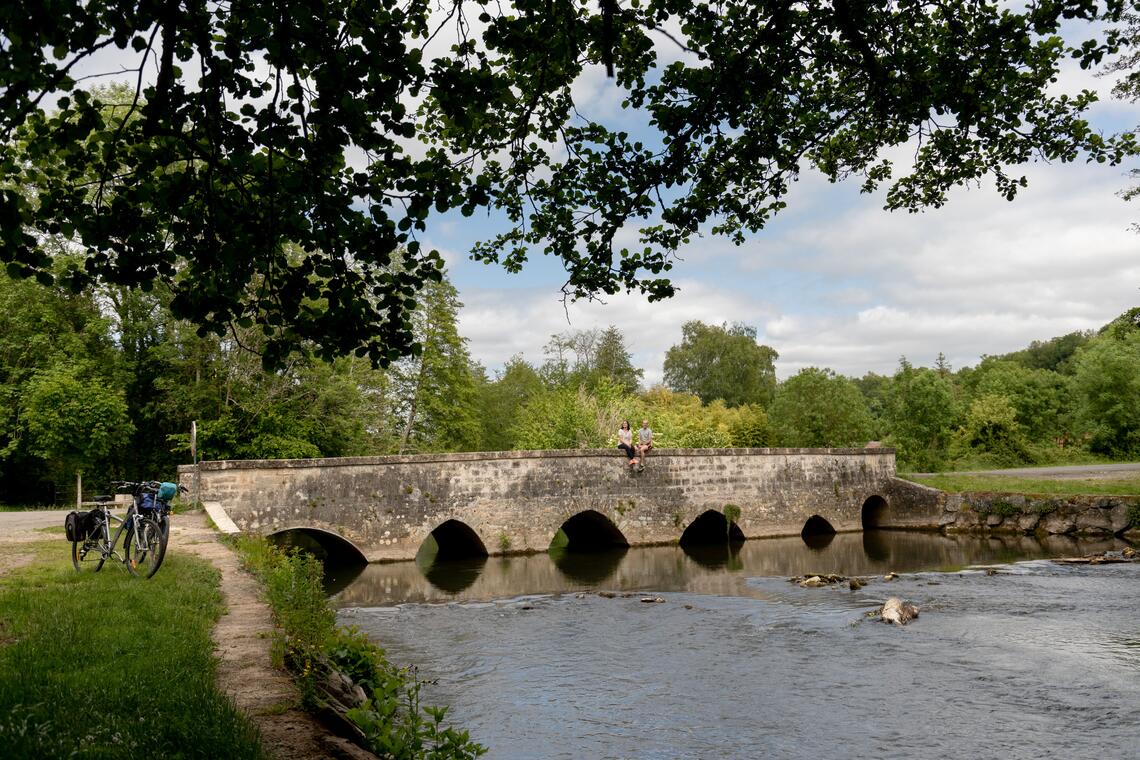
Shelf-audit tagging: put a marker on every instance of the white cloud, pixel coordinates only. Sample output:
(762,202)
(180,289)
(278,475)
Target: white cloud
(500,323)
(846,285)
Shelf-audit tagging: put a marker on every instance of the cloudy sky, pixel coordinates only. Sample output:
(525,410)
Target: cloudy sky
(838,282)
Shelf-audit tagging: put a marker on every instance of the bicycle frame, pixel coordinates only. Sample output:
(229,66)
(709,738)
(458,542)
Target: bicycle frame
(108,550)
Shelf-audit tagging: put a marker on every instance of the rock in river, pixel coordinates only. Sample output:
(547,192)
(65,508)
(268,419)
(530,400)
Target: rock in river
(897,611)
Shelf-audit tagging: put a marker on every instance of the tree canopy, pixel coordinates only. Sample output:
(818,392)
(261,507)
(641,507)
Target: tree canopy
(816,407)
(722,361)
(264,164)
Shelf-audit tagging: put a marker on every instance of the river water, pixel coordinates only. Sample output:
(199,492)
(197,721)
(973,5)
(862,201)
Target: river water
(1037,660)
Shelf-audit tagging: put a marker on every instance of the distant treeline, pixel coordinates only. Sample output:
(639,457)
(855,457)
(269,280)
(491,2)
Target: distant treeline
(107,383)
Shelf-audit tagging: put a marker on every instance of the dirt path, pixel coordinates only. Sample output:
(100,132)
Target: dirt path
(242,637)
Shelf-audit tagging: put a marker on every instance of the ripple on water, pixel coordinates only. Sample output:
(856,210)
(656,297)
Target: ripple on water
(1037,661)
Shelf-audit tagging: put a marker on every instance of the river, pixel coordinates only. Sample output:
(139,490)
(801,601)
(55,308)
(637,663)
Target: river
(1036,660)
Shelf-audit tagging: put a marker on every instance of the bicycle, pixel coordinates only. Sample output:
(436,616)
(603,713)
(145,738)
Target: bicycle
(144,546)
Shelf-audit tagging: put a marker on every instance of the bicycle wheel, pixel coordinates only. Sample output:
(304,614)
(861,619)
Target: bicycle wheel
(90,553)
(145,547)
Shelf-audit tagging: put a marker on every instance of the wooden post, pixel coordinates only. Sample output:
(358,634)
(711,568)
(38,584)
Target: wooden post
(197,467)
(79,489)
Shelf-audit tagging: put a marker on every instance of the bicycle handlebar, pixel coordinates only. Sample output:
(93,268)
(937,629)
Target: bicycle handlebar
(147,486)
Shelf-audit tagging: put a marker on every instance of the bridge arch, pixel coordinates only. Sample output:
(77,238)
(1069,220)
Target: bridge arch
(451,540)
(329,547)
(711,527)
(589,531)
(875,512)
(817,532)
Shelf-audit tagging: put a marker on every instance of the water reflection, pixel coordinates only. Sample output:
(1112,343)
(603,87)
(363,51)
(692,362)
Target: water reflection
(716,556)
(877,545)
(453,576)
(339,577)
(717,569)
(817,542)
(587,568)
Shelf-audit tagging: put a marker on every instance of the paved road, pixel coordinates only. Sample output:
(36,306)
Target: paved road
(1069,472)
(32,519)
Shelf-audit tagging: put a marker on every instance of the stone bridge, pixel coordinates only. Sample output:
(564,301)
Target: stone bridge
(393,507)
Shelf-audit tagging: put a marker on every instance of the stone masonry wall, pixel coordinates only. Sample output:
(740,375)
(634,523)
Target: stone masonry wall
(1020,513)
(516,501)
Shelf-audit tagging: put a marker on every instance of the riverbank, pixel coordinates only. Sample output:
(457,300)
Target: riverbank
(108,665)
(268,695)
(1081,515)
(163,635)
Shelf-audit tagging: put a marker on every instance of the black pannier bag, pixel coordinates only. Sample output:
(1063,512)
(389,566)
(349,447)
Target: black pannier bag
(79,525)
(75,526)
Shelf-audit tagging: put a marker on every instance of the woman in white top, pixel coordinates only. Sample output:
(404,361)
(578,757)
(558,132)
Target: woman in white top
(625,442)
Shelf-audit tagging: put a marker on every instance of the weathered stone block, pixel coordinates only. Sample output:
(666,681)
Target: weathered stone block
(1094,521)
(1059,522)
(1118,517)
(1028,521)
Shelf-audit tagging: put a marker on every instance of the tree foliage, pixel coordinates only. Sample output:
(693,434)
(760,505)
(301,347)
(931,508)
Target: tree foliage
(590,358)
(73,419)
(435,388)
(816,407)
(1038,397)
(501,400)
(1107,387)
(1054,354)
(571,417)
(920,416)
(722,362)
(992,430)
(262,172)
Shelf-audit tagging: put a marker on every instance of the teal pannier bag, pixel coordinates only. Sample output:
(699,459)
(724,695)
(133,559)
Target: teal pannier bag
(167,491)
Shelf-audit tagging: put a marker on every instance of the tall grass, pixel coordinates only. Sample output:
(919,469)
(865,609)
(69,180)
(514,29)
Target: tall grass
(106,665)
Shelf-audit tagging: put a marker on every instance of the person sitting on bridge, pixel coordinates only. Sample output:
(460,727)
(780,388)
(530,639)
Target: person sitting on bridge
(625,442)
(644,442)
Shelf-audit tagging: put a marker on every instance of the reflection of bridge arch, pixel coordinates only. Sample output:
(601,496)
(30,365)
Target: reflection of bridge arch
(817,532)
(592,531)
(331,548)
(875,512)
(711,527)
(452,540)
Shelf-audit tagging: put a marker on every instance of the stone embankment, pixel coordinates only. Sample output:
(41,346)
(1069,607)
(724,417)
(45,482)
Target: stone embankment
(1041,514)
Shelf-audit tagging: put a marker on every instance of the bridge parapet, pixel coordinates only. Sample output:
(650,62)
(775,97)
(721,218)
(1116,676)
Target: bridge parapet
(516,501)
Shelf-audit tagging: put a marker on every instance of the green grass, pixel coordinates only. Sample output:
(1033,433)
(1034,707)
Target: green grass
(107,666)
(955,483)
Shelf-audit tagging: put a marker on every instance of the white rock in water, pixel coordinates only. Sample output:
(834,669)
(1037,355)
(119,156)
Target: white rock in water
(897,611)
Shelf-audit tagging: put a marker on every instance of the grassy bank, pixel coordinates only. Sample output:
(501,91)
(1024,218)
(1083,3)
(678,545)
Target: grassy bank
(106,665)
(392,719)
(957,482)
